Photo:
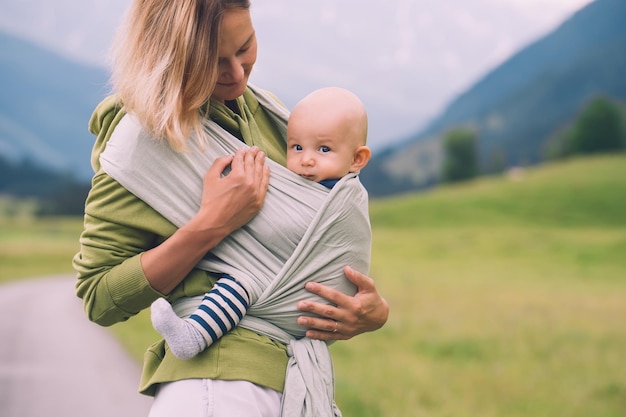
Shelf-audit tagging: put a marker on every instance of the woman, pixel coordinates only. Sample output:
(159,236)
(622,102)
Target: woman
(175,63)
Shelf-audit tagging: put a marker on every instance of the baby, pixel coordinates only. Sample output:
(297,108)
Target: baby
(326,136)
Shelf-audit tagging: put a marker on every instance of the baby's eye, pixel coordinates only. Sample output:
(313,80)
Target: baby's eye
(297,147)
(324,149)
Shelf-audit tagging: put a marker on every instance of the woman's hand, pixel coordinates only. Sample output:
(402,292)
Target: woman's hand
(365,312)
(228,202)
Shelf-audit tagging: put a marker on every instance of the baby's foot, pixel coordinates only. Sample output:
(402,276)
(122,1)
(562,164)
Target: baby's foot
(184,340)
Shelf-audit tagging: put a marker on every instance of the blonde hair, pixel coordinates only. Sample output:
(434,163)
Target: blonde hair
(164,63)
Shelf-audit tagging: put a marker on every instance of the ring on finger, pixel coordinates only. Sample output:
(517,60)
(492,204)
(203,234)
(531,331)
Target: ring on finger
(336,327)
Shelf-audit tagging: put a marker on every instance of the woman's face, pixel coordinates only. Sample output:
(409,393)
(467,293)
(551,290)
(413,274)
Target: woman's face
(237,54)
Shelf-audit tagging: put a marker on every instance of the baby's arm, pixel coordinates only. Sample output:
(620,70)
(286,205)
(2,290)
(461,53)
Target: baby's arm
(220,311)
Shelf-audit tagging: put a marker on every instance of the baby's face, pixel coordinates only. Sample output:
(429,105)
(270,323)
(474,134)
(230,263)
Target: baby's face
(318,149)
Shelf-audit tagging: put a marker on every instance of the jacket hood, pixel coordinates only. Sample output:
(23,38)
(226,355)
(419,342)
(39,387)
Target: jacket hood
(102,123)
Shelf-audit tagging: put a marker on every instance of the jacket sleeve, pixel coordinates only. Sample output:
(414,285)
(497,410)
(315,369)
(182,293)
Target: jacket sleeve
(118,228)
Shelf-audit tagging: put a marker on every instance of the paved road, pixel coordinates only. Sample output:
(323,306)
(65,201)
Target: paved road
(54,362)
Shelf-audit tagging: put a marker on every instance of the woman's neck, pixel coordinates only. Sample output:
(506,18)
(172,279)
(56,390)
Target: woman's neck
(232,104)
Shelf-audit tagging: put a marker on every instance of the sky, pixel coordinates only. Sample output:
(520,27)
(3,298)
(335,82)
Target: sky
(406,59)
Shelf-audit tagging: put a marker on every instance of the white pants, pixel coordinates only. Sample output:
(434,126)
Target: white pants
(215,398)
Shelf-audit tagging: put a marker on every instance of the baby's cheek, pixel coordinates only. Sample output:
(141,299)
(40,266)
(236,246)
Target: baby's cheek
(292,165)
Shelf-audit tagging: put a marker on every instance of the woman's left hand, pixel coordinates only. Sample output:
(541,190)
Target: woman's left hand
(365,312)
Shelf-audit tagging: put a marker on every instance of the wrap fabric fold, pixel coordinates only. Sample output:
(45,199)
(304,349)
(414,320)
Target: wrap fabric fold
(304,232)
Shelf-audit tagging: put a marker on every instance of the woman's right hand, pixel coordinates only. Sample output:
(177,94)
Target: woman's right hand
(228,202)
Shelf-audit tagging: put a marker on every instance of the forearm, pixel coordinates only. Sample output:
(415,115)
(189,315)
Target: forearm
(112,295)
(118,229)
(123,267)
(166,265)
(130,254)
(228,202)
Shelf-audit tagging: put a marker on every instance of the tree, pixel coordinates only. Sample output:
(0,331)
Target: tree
(598,129)
(460,155)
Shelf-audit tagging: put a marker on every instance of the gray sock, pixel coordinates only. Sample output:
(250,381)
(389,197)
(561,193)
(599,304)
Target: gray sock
(183,339)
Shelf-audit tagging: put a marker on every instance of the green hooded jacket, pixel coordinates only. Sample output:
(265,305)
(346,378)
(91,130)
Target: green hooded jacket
(118,228)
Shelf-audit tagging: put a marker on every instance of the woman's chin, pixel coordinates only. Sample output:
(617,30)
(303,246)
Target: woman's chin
(228,92)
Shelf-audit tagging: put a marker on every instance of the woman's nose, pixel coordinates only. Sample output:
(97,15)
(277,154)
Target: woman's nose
(232,70)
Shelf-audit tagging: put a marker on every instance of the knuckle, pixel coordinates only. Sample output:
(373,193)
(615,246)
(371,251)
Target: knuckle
(359,308)
(328,311)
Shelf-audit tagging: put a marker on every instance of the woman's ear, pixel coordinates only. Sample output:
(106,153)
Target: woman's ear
(361,157)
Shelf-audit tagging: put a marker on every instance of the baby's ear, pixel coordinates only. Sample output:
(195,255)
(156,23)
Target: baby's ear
(362,156)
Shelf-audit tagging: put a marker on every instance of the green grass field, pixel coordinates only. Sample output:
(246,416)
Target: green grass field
(507,295)
(31,247)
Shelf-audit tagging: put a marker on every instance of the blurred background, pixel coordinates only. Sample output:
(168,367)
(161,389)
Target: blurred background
(498,183)
(513,73)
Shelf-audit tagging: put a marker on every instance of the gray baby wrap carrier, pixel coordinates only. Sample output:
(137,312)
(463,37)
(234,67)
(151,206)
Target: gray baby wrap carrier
(304,232)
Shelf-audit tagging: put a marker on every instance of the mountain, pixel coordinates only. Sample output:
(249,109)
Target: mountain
(45,106)
(515,108)
(403,58)
(47,99)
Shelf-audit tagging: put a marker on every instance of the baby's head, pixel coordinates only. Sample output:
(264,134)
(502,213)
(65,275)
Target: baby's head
(326,135)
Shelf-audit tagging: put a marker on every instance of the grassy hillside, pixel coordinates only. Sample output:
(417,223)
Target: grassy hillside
(504,299)
(506,296)
(35,247)
(576,193)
